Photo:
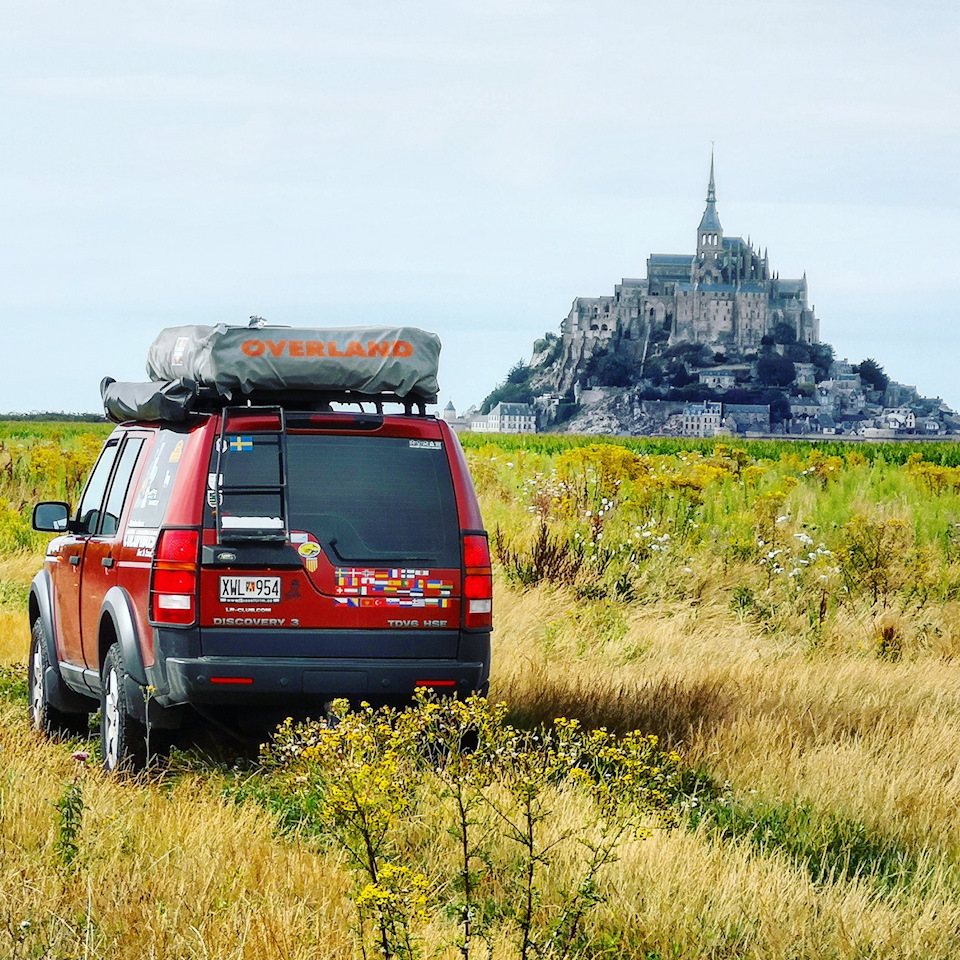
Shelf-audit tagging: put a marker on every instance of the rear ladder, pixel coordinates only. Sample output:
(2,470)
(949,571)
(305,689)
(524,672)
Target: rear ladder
(235,441)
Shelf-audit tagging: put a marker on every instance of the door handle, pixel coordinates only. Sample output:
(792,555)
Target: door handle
(107,561)
(75,560)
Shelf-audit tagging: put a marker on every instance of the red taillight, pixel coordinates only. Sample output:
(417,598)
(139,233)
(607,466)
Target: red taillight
(178,546)
(477,583)
(173,582)
(476,552)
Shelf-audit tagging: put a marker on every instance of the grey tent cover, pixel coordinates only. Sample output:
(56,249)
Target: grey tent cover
(170,400)
(368,360)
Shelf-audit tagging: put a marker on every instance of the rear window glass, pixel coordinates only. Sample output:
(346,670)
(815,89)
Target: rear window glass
(366,499)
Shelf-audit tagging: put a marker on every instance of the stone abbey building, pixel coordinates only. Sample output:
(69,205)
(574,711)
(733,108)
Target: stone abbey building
(723,296)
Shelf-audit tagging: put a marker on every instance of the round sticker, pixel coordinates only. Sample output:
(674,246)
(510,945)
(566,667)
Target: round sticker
(309,551)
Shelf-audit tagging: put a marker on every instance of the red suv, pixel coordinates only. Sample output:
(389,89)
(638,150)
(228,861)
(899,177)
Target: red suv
(255,562)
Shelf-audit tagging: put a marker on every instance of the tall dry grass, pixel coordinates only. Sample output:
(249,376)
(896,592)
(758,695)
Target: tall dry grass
(162,871)
(16,572)
(860,740)
(879,739)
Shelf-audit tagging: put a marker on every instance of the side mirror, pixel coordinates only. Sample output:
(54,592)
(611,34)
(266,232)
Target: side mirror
(51,516)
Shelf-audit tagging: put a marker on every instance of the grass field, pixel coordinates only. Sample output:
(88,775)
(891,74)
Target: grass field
(786,617)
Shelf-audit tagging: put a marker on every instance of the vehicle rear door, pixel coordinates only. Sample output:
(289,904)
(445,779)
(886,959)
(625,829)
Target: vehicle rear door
(67,554)
(363,517)
(99,570)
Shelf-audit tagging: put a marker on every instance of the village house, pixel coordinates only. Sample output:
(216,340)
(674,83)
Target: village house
(723,378)
(506,418)
(701,419)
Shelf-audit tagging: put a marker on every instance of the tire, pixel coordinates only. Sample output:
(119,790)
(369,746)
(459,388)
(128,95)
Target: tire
(122,739)
(43,715)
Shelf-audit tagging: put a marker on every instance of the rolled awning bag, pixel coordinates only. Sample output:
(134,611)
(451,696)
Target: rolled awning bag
(169,400)
(369,360)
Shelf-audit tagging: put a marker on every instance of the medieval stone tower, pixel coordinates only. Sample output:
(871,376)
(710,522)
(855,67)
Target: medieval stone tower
(723,296)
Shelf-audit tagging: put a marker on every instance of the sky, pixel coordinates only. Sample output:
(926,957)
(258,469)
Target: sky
(467,166)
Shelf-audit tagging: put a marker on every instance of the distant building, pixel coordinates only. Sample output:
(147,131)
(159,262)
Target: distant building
(807,407)
(825,424)
(457,424)
(718,379)
(843,394)
(749,417)
(899,419)
(506,418)
(899,394)
(701,419)
(722,319)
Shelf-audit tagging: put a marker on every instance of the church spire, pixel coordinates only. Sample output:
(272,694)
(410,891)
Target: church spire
(711,187)
(710,233)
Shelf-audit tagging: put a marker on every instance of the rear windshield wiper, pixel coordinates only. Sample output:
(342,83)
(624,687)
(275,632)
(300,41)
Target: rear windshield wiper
(380,558)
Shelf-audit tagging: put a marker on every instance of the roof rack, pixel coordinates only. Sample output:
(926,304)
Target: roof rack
(319,401)
(176,401)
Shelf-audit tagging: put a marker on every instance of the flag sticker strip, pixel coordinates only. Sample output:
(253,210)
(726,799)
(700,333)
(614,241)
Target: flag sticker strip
(434,603)
(394,582)
(241,444)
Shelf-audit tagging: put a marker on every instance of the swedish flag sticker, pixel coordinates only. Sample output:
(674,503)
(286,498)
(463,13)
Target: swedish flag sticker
(241,444)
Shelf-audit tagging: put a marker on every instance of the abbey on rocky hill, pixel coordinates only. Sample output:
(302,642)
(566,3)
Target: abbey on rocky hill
(723,296)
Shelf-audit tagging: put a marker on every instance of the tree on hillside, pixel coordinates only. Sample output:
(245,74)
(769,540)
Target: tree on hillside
(775,371)
(608,369)
(871,373)
(696,354)
(693,392)
(784,332)
(515,389)
(821,356)
(779,409)
(677,374)
(797,352)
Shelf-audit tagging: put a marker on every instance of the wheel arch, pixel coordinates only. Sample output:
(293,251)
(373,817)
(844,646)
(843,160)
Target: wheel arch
(118,626)
(40,607)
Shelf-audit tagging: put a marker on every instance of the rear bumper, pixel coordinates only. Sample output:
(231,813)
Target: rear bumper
(264,681)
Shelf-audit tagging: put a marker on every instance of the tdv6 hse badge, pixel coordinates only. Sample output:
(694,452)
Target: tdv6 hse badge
(416,623)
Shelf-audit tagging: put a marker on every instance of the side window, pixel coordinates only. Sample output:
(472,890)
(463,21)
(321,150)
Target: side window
(118,489)
(88,511)
(152,494)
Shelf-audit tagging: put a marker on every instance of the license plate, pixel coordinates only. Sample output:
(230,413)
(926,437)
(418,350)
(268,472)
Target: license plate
(249,589)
